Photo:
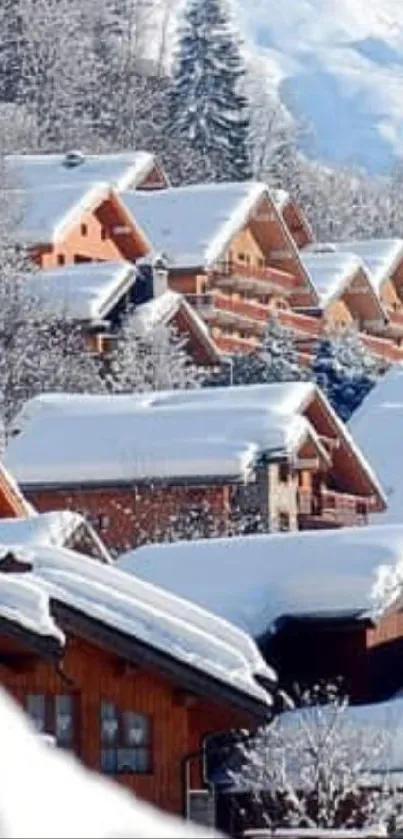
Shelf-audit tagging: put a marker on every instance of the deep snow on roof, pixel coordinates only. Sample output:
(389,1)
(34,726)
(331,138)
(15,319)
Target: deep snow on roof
(86,291)
(381,256)
(330,273)
(124,438)
(53,528)
(45,214)
(259,416)
(138,609)
(377,428)
(124,170)
(193,225)
(254,581)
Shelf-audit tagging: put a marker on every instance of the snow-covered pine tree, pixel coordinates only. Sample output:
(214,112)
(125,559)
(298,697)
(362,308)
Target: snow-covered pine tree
(345,370)
(152,360)
(276,360)
(206,105)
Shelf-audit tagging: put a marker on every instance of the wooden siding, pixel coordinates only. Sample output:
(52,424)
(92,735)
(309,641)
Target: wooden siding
(135,515)
(95,675)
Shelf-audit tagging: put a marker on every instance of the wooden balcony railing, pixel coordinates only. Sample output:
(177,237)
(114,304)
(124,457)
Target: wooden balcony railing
(239,273)
(335,508)
(304,324)
(212,305)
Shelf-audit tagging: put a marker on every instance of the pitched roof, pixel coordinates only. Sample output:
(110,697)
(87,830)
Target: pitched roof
(255,581)
(70,440)
(173,627)
(87,291)
(381,256)
(54,529)
(331,273)
(377,427)
(263,418)
(46,214)
(123,170)
(163,309)
(193,225)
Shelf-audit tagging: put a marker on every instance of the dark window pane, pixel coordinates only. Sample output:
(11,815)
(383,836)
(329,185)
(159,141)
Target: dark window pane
(64,720)
(109,761)
(109,724)
(133,760)
(135,729)
(35,706)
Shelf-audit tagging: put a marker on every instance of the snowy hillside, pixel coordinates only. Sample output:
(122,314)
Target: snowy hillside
(340,67)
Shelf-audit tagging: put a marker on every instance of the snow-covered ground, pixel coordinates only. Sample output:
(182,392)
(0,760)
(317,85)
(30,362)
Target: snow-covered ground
(339,66)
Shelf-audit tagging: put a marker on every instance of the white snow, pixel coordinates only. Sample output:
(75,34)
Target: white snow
(87,291)
(194,225)
(128,438)
(380,256)
(23,602)
(140,610)
(53,528)
(47,793)
(47,213)
(281,198)
(338,67)
(253,581)
(125,170)
(377,428)
(331,273)
(200,432)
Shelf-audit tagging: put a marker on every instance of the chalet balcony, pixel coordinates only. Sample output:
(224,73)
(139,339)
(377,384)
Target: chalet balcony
(382,347)
(222,308)
(331,509)
(231,344)
(304,325)
(263,280)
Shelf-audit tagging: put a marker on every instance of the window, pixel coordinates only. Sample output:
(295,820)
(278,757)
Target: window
(283,522)
(61,259)
(84,229)
(53,715)
(125,740)
(283,473)
(241,257)
(104,233)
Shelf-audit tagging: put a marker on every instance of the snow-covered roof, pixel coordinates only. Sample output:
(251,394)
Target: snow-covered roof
(163,308)
(133,438)
(124,170)
(142,611)
(381,256)
(194,225)
(46,214)
(254,581)
(331,272)
(87,291)
(51,529)
(262,418)
(62,798)
(377,428)
(22,506)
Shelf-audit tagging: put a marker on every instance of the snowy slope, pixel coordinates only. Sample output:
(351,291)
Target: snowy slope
(340,66)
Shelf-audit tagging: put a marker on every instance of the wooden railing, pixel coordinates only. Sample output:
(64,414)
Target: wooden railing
(336,508)
(211,304)
(302,323)
(264,274)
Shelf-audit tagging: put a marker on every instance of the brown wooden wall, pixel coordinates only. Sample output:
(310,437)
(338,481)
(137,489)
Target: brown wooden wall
(135,516)
(98,675)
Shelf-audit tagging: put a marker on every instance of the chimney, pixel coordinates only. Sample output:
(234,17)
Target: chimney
(160,275)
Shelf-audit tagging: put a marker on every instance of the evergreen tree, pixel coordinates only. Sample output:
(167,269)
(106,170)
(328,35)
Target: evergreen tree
(151,360)
(276,360)
(206,105)
(345,370)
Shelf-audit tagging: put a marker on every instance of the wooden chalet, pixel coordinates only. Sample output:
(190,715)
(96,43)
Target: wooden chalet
(322,606)
(230,253)
(98,295)
(203,462)
(122,674)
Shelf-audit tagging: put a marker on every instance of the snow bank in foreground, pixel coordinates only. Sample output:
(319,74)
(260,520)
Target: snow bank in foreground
(46,793)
